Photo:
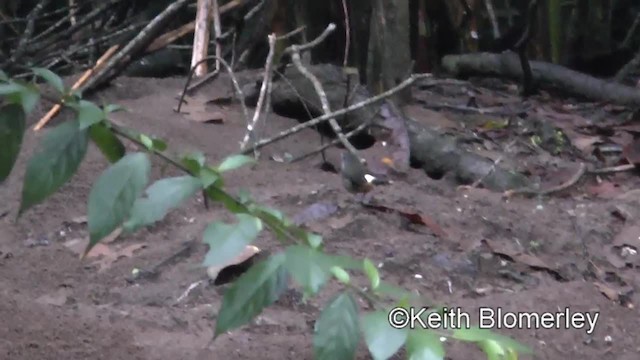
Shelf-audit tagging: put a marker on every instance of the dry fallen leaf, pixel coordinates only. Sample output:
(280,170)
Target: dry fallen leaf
(196,109)
(245,256)
(104,254)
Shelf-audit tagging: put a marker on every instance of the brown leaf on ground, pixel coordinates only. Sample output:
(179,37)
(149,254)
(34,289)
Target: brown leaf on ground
(610,293)
(414,218)
(529,260)
(605,190)
(104,254)
(198,110)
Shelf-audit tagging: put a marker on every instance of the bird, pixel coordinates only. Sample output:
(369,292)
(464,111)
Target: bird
(355,176)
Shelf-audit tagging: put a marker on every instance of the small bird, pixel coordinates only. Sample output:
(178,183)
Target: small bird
(355,176)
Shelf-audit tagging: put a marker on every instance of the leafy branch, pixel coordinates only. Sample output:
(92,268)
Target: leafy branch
(123,197)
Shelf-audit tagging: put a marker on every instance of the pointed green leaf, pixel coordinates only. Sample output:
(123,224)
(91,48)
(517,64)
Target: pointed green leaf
(337,332)
(12,126)
(382,339)
(146,141)
(159,145)
(62,151)
(108,143)
(217,194)
(314,240)
(26,95)
(114,193)
(162,196)
(235,161)
(50,77)
(111,108)
(340,274)
(476,334)
(308,267)
(372,273)
(226,241)
(10,88)
(88,113)
(424,345)
(208,176)
(256,289)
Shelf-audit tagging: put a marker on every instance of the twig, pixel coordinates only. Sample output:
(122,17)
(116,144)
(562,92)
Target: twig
(493,168)
(492,15)
(201,37)
(347,34)
(294,50)
(332,143)
(565,185)
(28,32)
(135,46)
(632,31)
(263,91)
(56,108)
(315,121)
(612,169)
(217,31)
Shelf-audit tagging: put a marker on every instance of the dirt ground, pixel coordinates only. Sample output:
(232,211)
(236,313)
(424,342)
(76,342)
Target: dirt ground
(53,306)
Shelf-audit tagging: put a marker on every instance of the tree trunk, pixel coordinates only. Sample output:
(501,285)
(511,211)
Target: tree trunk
(389,60)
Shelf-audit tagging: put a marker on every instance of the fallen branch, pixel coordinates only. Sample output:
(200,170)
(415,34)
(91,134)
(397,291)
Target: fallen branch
(56,108)
(266,87)
(135,47)
(508,65)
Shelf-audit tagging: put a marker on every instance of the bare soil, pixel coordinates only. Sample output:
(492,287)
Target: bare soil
(54,306)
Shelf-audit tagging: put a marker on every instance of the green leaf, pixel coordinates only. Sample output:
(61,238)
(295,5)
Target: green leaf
(256,289)
(62,151)
(10,88)
(234,161)
(3,76)
(111,108)
(336,331)
(314,240)
(26,95)
(217,194)
(308,267)
(424,345)
(50,77)
(226,241)
(162,196)
(382,339)
(114,194)
(88,113)
(12,126)
(108,143)
(208,176)
(146,141)
(476,334)
(159,145)
(341,274)
(372,273)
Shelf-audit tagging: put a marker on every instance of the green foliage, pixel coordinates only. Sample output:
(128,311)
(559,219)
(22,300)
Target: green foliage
(12,126)
(114,193)
(424,345)
(118,198)
(234,162)
(62,151)
(336,332)
(162,196)
(228,240)
(256,289)
(108,143)
(88,113)
(54,80)
(382,339)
